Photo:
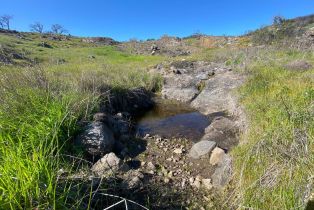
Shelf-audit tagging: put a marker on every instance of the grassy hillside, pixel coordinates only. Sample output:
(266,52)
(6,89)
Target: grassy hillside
(49,84)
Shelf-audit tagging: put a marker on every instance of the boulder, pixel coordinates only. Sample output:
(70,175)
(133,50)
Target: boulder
(201,148)
(223,131)
(217,94)
(119,125)
(108,164)
(97,139)
(131,101)
(223,172)
(216,156)
(222,125)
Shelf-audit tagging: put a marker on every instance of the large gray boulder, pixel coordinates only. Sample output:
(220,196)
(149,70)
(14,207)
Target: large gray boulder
(97,139)
(201,148)
(218,92)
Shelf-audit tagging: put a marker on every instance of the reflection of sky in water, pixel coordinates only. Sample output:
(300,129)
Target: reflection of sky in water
(173,120)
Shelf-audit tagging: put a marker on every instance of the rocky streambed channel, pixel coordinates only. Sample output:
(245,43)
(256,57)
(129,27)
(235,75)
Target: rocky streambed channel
(169,151)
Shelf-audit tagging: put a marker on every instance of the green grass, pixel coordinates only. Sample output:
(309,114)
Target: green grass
(40,106)
(275,159)
(36,120)
(274,163)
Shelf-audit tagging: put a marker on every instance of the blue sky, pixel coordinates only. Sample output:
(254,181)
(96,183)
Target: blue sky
(142,19)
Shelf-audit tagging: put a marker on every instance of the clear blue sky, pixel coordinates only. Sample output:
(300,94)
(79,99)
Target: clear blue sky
(142,19)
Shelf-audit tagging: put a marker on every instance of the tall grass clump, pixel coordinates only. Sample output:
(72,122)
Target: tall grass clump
(39,111)
(37,118)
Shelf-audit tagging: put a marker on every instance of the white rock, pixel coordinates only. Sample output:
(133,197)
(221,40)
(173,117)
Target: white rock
(216,156)
(207,184)
(197,183)
(151,166)
(178,151)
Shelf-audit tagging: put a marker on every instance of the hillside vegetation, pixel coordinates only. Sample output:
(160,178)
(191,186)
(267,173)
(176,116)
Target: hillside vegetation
(44,92)
(49,86)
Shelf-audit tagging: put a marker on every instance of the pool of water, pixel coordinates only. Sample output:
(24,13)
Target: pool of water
(172,119)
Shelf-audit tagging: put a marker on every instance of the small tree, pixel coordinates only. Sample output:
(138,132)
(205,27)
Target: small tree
(278,20)
(58,29)
(5,21)
(37,27)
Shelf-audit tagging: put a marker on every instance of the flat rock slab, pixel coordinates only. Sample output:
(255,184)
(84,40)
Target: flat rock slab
(182,87)
(217,94)
(180,94)
(201,148)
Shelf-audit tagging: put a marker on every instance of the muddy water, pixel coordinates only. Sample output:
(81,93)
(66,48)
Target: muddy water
(172,119)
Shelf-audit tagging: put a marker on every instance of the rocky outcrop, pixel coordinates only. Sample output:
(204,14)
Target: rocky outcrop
(100,40)
(166,45)
(131,101)
(209,88)
(217,93)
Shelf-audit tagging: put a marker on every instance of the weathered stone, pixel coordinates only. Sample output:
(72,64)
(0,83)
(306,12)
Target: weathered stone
(217,94)
(132,179)
(108,164)
(191,180)
(183,183)
(221,124)
(118,124)
(223,131)
(201,148)
(216,156)
(197,184)
(223,172)
(206,183)
(151,166)
(96,139)
(167,180)
(180,94)
(178,151)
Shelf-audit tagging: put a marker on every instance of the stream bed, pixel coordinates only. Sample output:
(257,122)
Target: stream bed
(171,119)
